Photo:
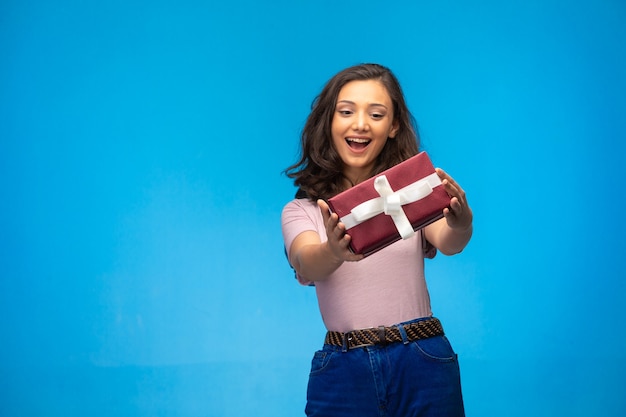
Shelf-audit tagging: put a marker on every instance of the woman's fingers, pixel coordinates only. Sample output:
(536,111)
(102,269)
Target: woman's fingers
(338,239)
(331,220)
(458,214)
(324,209)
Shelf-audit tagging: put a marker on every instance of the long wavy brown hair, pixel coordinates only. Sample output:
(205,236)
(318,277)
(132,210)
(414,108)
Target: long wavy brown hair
(319,172)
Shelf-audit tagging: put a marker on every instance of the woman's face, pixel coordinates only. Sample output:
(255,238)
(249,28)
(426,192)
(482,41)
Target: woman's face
(362,124)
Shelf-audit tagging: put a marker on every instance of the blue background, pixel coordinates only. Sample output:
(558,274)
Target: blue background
(142,143)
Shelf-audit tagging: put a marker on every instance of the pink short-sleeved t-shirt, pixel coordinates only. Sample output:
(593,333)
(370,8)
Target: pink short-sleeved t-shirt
(386,288)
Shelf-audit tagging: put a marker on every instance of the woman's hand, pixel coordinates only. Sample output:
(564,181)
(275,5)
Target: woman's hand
(451,234)
(459,216)
(338,240)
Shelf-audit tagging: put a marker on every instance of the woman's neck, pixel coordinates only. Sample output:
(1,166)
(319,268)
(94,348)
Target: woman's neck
(353,178)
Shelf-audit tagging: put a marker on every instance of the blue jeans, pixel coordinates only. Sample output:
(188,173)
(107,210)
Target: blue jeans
(419,378)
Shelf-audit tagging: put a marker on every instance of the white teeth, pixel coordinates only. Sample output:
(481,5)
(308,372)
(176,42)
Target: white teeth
(357,140)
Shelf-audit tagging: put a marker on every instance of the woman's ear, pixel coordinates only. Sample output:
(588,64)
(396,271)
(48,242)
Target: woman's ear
(394,130)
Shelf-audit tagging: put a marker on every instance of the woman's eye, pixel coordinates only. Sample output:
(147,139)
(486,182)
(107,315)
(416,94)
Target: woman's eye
(377,115)
(345,112)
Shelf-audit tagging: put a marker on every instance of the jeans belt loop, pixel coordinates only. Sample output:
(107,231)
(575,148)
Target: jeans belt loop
(382,337)
(345,340)
(402,330)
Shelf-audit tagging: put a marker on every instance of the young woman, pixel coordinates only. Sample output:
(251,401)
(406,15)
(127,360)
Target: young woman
(384,353)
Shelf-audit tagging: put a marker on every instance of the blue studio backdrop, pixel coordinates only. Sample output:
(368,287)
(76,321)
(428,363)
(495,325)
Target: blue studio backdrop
(142,270)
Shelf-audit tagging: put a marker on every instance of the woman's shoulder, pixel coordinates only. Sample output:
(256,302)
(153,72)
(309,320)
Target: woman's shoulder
(300,204)
(302,212)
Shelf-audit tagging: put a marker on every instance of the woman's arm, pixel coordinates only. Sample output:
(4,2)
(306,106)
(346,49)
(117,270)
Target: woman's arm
(451,234)
(315,260)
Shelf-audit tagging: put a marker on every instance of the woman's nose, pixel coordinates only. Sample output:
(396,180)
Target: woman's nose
(360,122)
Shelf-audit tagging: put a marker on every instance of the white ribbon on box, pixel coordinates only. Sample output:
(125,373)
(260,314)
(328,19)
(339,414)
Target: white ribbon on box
(390,202)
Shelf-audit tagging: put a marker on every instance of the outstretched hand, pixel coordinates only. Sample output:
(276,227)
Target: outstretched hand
(459,216)
(338,240)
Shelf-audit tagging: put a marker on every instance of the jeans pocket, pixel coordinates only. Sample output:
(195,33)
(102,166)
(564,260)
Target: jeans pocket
(320,361)
(436,348)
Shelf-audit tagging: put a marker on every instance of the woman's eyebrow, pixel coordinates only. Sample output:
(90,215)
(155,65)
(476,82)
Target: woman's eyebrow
(369,105)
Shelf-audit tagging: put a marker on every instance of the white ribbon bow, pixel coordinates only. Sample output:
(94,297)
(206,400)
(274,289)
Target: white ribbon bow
(390,202)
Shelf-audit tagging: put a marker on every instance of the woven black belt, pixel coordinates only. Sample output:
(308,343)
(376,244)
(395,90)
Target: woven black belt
(382,335)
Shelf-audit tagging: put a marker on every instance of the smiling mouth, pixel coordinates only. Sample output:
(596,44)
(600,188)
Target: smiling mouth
(358,144)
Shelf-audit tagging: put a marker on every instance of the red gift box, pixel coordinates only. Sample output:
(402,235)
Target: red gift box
(391,205)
